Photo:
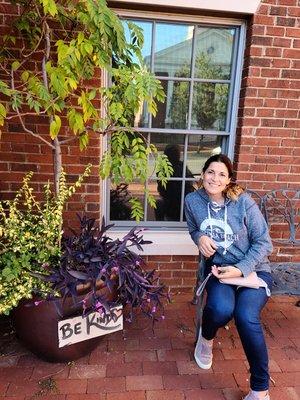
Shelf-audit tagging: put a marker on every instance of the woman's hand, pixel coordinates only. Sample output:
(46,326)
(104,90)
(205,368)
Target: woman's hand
(207,246)
(226,272)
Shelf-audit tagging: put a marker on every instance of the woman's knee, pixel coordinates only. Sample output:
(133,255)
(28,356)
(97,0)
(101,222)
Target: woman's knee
(246,318)
(219,314)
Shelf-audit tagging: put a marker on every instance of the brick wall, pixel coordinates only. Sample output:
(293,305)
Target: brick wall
(267,154)
(268,137)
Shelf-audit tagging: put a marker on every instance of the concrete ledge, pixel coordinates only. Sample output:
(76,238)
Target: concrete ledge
(229,6)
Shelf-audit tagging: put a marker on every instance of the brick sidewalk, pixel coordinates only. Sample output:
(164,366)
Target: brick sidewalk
(141,364)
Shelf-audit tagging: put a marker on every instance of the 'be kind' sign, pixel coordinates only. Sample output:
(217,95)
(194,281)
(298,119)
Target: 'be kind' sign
(78,329)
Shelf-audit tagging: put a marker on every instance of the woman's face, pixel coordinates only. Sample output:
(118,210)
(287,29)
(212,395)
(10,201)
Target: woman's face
(215,179)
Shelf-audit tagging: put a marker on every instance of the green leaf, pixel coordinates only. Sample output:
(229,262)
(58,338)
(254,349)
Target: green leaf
(80,37)
(55,127)
(88,48)
(15,65)
(137,211)
(25,76)
(2,111)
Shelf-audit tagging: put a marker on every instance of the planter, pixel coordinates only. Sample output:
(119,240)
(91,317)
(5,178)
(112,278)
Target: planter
(36,328)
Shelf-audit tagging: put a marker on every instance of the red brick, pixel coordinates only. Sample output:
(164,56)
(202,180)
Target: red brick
(22,388)
(181,382)
(87,371)
(173,355)
(275,31)
(217,381)
(291,53)
(160,258)
(100,356)
(286,393)
(273,52)
(71,386)
(184,258)
(47,369)
(15,373)
(289,365)
(280,63)
(293,32)
(294,11)
(263,20)
(85,396)
(145,382)
(165,395)
(286,378)
(106,385)
(52,397)
(160,368)
(124,369)
(203,394)
(3,388)
(282,42)
(242,379)
(13,398)
(140,355)
(138,395)
(283,21)
(278,10)
(229,366)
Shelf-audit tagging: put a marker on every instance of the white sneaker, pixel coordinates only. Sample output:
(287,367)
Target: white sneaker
(203,352)
(252,395)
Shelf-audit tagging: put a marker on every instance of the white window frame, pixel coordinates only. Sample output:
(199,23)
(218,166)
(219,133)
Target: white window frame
(165,241)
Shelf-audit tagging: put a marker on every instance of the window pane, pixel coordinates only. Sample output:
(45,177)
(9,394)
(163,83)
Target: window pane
(209,106)
(173,146)
(141,119)
(168,201)
(120,195)
(147,32)
(173,49)
(200,148)
(173,113)
(213,53)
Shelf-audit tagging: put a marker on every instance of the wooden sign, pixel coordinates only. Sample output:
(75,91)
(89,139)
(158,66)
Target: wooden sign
(78,329)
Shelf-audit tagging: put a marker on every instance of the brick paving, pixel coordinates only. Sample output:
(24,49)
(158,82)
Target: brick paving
(144,364)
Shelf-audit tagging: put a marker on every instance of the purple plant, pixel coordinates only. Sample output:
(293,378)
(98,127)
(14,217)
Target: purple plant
(90,257)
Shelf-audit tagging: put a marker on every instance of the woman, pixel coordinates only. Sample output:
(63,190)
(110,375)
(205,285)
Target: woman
(232,235)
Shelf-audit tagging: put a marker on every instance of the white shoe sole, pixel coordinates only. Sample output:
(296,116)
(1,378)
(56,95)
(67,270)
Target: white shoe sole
(199,363)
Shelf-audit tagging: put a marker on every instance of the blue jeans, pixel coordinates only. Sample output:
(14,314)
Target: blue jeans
(225,302)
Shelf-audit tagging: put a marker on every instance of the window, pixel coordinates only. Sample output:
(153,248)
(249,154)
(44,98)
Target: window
(199,67)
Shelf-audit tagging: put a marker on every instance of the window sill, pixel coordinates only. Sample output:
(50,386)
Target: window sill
(164,243)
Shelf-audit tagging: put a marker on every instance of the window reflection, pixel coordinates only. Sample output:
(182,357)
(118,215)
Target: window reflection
(173,49)
(209,106)
(168,198)
(147,32)
(214,48)
(173,113)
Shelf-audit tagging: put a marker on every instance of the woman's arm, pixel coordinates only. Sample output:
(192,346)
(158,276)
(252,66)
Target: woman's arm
(259,237)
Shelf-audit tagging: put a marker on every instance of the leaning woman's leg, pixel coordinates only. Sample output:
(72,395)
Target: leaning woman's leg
(249,303)
(218,309)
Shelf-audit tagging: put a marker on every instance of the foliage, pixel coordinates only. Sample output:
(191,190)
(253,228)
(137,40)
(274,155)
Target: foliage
(209,99)
(30,239)
(71,42)
(90,257)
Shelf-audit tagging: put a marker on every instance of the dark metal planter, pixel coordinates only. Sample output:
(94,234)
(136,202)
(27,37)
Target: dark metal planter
(36,328)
